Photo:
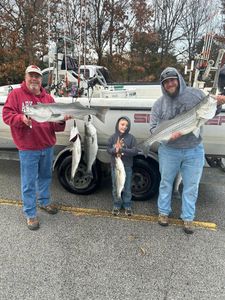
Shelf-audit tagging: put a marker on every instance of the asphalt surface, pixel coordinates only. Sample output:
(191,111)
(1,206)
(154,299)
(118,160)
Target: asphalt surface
(79,256)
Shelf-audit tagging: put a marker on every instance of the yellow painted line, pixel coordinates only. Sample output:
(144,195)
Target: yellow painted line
(105,213)
(11,202)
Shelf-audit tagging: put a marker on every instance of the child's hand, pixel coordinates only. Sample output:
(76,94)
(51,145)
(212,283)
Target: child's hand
(119,144)
(117,149)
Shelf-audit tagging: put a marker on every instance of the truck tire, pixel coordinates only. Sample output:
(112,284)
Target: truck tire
(213,161)
(146,178)
(81,184)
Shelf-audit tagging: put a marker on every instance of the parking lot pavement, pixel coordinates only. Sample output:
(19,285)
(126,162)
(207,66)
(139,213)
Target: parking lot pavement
(76,256)
(82,257)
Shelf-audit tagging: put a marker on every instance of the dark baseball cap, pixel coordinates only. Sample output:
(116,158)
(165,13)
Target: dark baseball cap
(168,74)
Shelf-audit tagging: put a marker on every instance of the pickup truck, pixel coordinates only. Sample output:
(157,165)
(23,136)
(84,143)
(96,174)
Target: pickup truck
(146,175)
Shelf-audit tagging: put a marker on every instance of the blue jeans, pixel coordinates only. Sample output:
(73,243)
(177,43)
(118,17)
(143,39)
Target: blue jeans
(189,162)
(36,177)
(125,200)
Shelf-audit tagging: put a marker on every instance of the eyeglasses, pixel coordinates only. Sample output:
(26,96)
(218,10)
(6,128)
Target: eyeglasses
(168,74)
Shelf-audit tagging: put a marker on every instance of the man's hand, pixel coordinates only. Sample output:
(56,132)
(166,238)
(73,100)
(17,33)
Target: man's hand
(27,121)
(175,135)
(67,117)
(220,99)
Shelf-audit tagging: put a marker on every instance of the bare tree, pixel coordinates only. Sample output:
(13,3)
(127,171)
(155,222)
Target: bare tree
(168,16)
(197,21)
(106,25)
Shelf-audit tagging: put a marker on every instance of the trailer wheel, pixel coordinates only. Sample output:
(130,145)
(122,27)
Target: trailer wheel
(146,178)
(81,184)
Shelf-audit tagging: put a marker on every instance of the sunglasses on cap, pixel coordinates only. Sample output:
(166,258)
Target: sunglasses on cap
(168,75)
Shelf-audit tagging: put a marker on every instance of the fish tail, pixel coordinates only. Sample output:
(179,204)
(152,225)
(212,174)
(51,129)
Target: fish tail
(101,112)
(144,147)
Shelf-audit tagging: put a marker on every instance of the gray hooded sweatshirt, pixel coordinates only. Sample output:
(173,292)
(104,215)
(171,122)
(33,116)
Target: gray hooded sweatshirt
(167,107)
(129,149)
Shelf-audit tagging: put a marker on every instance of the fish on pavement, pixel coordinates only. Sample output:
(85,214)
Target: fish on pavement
(120,176)
(90,146)
(54,112)
(189,121)
(75,138)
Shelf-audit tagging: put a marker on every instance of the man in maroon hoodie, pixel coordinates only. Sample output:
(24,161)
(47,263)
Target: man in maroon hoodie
(35,143)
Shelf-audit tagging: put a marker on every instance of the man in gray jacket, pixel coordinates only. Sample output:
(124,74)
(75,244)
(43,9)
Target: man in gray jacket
(182,153)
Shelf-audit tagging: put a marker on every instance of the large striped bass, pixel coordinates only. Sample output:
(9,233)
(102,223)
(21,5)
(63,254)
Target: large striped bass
(76,149)
(120,176)
(90,146)
(186,122)
(53,112)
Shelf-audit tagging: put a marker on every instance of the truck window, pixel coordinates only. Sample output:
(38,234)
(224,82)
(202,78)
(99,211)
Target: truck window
(106,75)
(45,78)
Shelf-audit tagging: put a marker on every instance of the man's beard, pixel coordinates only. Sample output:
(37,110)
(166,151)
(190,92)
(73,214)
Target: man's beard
(34,87)
(174,93)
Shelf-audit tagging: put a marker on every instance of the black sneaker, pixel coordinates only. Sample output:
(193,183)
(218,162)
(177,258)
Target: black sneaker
(128,212)
(115,211)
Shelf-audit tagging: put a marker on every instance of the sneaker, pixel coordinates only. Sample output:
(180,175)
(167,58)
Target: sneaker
(115,211)
(163,220)
(50,209)
(188,227)
(33,223)
(128,212)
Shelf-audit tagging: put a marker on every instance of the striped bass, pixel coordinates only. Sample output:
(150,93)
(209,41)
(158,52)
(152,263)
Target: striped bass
(76,150)
(184,123)
(120,176)
(90,146)
(53,112)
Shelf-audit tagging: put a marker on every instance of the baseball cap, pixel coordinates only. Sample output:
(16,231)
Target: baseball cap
(33,69)
(168,74)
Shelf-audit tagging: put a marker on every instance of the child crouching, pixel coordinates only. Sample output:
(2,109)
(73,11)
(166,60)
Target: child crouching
(122,144)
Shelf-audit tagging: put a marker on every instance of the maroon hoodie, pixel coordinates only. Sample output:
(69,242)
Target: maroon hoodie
(41,135)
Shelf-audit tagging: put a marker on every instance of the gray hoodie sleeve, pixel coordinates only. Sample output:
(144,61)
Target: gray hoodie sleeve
(155,116)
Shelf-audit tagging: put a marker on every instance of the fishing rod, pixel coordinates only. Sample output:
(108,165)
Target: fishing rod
(79,47)
(203,58)
(50,73)
(66,82)
(217,69)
